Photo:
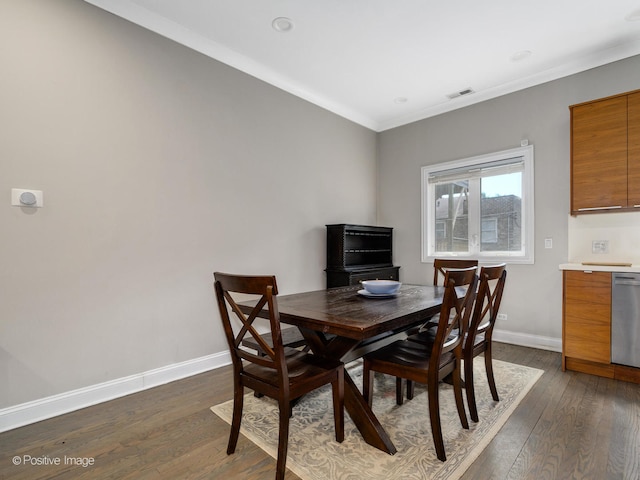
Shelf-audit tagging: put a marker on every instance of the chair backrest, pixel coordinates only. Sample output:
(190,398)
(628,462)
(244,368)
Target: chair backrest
(228,287)
(454,313)
(441,265)
(485,312)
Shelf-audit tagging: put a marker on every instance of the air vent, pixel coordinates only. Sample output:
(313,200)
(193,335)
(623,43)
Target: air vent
(466,91)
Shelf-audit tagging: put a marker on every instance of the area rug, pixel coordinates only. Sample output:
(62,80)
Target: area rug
(315,455)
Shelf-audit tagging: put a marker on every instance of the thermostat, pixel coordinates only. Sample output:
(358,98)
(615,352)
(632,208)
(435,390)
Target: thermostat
(26,198)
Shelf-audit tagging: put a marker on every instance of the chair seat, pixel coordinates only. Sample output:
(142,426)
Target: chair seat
(300,365)
(427,337)
(413,356)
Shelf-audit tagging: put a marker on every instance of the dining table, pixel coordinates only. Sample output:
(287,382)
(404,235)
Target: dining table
(345,323)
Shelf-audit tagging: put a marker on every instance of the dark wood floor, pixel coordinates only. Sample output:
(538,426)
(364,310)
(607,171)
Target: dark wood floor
(570,425)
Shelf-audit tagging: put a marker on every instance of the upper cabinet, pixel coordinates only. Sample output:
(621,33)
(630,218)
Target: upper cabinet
(633,165)
(605,154)
(359,252)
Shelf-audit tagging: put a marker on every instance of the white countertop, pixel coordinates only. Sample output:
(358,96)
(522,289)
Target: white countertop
(599,268)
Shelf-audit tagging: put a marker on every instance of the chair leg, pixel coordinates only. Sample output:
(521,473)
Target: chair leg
(399,392)
(457,392)
(434,416)
(261,353)
(238,399)
(410,389)
(338,405)
(489,367)
(367,383)
(469,387)
(283,438)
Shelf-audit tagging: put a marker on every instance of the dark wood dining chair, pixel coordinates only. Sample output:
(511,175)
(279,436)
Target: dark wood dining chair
(282,373)
(429,364)
(441,265)
(478,340)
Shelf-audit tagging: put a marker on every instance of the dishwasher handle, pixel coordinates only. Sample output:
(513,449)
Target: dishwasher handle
(633,281)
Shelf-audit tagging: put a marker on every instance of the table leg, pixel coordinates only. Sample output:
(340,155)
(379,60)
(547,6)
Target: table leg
(363,417)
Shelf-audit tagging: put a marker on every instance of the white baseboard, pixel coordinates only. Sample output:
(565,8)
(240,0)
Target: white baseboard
(526,340)
(48,407)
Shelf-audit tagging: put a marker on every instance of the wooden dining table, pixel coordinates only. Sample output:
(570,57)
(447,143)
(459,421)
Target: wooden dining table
(342,324)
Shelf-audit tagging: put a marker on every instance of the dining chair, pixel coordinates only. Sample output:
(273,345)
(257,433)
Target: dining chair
(478,339)
(441,265)
(429,364)
(282,373)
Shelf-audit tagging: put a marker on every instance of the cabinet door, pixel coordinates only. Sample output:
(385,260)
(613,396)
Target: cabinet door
(587,316)
(633,156)
(599,155)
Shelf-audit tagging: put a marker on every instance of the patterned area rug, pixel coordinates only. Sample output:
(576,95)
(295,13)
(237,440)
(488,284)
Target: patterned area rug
(315,455)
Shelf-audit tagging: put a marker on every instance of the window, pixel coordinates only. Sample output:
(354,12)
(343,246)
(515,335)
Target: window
(489,233)
(480,207)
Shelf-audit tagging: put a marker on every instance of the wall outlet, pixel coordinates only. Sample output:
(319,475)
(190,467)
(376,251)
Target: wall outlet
(502,317)
(600,246)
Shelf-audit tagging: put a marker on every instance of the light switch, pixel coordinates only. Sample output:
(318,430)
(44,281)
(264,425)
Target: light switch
(26,198)
(548,243)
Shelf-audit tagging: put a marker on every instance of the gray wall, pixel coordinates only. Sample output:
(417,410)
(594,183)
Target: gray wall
(533,296)
(158,166)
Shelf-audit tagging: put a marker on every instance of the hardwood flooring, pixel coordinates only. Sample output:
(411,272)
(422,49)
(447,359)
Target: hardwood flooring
(570,425)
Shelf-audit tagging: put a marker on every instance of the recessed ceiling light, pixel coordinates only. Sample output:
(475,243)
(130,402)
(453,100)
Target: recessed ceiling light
(400,100)
(633,16)
(282,24)
(521,55)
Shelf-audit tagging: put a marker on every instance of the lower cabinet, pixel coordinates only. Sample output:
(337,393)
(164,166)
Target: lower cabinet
(587,316)
(586,326)
(343,278)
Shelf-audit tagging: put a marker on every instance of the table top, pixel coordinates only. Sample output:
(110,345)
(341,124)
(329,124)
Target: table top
(342,311)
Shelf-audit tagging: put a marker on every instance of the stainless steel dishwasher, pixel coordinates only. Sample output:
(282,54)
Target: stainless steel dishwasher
(625,319)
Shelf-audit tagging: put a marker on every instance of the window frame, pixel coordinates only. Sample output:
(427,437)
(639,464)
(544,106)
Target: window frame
(526,254)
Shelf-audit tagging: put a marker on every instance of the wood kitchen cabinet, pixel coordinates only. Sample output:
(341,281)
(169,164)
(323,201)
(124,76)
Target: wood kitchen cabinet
(633,153)
(587,316)
(605,154)
(586,326)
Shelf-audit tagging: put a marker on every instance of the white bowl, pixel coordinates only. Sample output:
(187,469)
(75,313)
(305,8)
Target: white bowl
(386,287)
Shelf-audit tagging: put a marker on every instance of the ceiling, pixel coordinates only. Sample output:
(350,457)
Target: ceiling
(385,63)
